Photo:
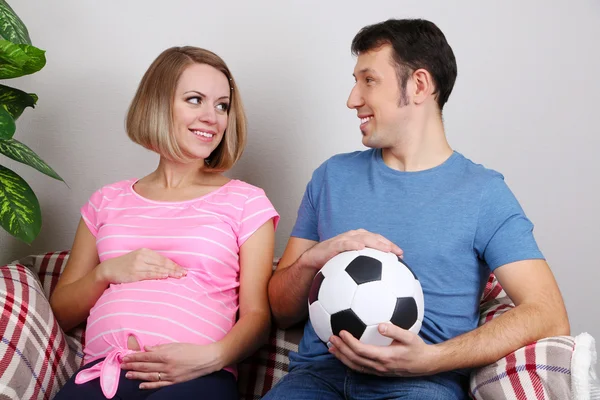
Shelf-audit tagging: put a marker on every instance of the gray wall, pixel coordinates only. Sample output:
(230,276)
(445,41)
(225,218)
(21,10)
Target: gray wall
(525,103)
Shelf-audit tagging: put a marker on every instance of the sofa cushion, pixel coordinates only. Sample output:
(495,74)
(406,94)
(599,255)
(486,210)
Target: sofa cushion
(36,358)
(259,372)
(541,370)
(39,358)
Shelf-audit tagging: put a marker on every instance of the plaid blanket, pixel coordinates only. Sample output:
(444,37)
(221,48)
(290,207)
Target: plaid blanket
(36,357)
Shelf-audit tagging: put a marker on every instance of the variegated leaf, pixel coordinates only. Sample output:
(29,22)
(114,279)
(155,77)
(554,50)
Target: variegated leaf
(20,213)
(19,59)
(15,100)
(19,152)
(11,26)
(7,124)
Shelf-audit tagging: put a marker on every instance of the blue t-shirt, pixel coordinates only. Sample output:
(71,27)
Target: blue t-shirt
(456,223)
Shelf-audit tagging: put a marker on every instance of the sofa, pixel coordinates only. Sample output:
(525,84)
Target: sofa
(37,357)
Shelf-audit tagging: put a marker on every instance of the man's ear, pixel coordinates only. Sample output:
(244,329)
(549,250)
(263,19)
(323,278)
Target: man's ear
(423,86)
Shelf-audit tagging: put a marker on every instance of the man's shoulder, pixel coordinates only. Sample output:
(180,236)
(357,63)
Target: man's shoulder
(341,166)
(489,183)
(342,161)
(353,156)
(478,173)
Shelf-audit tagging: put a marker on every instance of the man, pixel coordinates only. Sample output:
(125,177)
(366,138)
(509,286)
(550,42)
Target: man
(454,220)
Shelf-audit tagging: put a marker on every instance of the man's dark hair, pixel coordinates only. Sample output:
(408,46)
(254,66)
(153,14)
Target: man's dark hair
(416,44)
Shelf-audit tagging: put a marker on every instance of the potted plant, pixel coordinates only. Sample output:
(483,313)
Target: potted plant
(20,213)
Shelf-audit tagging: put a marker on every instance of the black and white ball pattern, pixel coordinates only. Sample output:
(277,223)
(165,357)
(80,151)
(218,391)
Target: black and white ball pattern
(355,291)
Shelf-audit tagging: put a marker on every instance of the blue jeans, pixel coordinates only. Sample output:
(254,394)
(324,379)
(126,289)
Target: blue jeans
(332,380)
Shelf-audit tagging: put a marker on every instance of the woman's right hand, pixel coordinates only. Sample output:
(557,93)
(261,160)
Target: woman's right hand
(139,265)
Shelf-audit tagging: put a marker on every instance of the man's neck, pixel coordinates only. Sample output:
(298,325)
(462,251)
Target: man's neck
(421,149)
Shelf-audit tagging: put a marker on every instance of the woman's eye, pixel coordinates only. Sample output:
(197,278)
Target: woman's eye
(194,100)
(369,80)
(223,107)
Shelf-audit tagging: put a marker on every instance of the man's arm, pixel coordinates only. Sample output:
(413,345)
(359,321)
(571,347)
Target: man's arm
(289,285)
(301,260)
(539,313)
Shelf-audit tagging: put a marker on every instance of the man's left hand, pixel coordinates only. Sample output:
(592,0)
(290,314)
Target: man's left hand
(166,364)
(408,355)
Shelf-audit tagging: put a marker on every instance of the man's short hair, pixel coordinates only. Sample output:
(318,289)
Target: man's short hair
(150,117)
(416,44)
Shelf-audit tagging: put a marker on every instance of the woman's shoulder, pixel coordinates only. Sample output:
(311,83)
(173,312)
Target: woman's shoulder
(114,189)
(119,186)
(245,189)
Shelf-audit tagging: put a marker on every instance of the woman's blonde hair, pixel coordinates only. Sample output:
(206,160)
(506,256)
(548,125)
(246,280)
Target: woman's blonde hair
(150,116)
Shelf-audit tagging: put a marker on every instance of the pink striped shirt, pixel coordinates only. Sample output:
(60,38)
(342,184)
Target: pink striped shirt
(203,235)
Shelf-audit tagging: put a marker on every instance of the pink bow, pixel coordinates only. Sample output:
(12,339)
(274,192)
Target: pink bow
(108,370)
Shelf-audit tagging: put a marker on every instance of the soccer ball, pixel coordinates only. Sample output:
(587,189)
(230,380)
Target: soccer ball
(355,291)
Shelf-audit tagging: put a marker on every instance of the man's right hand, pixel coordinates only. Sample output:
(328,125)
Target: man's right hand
(138,265)
(302,259)
(319,254)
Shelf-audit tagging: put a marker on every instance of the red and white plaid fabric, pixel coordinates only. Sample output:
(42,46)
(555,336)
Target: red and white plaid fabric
(261,371)
(37,357)
(541,370)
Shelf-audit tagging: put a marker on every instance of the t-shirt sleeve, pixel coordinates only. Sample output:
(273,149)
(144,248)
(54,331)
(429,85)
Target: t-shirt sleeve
(504,233)
(306,226)
(257,210)
(90,210)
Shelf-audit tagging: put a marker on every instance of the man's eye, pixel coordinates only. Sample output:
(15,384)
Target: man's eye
(369,80)
(194,100)
(223,107)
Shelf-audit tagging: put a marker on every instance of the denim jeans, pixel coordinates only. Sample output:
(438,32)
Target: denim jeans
(332,380)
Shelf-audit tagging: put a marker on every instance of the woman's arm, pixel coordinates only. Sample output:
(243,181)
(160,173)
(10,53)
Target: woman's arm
(80,285)
(252,328)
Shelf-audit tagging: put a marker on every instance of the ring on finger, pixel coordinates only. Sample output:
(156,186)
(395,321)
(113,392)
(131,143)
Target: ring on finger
(159,377)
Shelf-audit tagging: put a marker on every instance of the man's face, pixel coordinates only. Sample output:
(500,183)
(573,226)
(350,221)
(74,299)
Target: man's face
(376,97)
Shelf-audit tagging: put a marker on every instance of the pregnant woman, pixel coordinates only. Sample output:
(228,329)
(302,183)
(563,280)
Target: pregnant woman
(171,270)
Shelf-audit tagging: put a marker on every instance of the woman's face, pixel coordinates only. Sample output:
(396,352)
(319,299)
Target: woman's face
(200,110)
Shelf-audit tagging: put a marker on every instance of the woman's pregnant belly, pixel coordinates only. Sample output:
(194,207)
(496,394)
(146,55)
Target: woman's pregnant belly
(152,312)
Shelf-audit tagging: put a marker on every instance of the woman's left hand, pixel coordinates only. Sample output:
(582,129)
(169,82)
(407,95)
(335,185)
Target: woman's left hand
(166,364)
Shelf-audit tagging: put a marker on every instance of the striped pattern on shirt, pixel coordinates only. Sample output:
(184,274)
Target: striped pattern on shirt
(203,235)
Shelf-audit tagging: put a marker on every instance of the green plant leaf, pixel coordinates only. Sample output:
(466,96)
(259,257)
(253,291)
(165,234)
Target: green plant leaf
(15,100)
(20,213)
(19,152)
(7,124)
(20,59)
(11,26)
